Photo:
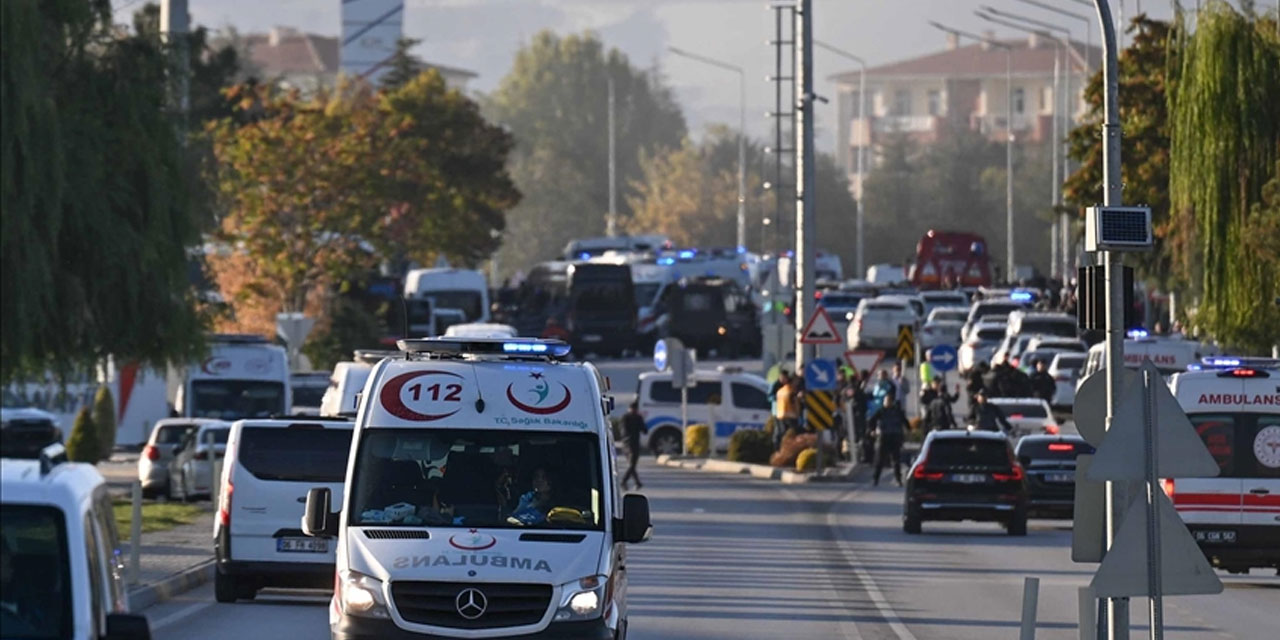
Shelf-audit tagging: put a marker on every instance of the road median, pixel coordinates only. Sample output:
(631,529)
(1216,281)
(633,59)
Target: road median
(842,472)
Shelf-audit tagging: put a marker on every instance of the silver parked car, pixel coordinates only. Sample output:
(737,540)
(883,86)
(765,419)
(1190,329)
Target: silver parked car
(153,464)
(191,473)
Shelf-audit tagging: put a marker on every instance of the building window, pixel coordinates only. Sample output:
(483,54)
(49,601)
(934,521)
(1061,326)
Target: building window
(1019,101)
(901,103)
(935,102)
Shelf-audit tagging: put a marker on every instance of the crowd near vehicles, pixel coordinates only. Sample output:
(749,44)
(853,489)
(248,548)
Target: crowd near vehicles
(168,436)
(1234,404)
(480,499)
(727,398)
(60,553)
(966,475)
(1049,462)
(269,467)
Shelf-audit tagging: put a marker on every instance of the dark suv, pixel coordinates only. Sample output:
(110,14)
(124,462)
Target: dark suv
(25,432)
(966,475)
(1050,464)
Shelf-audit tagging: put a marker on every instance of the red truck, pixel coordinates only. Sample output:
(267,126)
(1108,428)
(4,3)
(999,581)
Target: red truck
(946,259)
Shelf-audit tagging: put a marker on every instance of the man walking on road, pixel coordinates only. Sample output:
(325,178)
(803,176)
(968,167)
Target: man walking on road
(787,416)
(632,426)
(891,424)
(987,416)
(1043,383)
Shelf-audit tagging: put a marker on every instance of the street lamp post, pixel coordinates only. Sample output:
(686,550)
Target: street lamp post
(862,148)
(1008,143)
(742,136)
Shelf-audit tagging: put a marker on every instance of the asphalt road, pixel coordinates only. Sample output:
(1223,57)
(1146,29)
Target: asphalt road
(737,558)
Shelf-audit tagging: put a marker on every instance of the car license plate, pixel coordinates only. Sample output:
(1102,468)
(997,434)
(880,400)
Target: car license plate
(1060,478)
(591,337)
(303,545)
(1214,536)
(968,478)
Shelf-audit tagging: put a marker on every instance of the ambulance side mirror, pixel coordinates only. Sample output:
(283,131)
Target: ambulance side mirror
(317,521)
(634,526)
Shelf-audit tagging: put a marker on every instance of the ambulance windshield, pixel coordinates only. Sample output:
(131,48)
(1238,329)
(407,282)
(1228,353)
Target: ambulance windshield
(477,478)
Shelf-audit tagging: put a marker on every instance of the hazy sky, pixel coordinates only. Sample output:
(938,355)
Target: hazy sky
(483,35)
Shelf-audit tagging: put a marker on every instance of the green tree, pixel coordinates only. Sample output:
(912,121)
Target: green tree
(1144,116)
(84,445)
(404,65)
(96,209)
(555,101)
(104,421)
(1224,147)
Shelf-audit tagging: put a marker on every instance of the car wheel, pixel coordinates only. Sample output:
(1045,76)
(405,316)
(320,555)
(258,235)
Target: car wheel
(911,521)
(1018,525)
(225,588)
(666,441)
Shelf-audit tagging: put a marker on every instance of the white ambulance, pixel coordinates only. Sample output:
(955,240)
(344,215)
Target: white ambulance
(1234,404)
(244,376)
(481,499)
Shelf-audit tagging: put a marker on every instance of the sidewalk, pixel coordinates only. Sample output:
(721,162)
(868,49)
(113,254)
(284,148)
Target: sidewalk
(842,472)
(171,562)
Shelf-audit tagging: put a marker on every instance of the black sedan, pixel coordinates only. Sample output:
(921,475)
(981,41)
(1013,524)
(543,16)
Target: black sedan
(1050,464)
(966,475)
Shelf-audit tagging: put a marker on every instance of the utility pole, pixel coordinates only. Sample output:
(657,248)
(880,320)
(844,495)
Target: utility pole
(805,228)
(1115,612)
(611,224)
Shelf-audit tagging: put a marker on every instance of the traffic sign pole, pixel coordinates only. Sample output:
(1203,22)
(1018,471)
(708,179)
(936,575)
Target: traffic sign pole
(1155,598)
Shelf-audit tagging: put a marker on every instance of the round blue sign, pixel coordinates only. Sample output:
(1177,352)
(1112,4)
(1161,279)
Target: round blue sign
(944,357)
(660,355)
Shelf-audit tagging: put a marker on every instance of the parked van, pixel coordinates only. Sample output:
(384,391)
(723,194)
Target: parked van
(481,499)
(269,467)
(347,382)
(726,398)
(466,290)
(58,538)
(1234,404)
(244,376)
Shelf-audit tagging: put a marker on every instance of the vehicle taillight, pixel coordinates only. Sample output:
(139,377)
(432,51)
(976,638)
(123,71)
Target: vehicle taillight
(224,504)
(202,455)
(1061,446)
(1051,429)
(151,452)
(1167,485)
(1015,476)
(920,474)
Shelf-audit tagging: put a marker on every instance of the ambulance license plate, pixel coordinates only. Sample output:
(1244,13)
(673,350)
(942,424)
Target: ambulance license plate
(1216,536)
(968,478)
(302,545)
(1060,478)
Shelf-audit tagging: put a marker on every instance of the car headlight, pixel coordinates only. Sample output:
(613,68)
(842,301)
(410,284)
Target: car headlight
(361,595)
(583,599)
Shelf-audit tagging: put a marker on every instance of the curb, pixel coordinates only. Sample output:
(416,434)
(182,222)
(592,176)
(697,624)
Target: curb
(764,472)
(147,595)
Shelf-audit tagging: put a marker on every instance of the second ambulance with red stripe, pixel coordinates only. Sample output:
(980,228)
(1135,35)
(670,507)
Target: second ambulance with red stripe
(1234,404)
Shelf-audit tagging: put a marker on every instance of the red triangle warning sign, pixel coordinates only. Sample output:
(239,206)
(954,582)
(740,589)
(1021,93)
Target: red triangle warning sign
(820,329)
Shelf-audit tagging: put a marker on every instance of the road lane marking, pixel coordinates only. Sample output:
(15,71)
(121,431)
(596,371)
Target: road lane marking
(179,615)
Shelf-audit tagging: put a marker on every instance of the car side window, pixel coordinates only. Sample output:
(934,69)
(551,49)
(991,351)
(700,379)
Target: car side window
(93,556)
(1218,431)
(747,396)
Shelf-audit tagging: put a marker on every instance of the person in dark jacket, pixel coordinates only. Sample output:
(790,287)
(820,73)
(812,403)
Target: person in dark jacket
(975,384)
(1042,383)
(937,403)
(988,417)
(890,424)
(632,426)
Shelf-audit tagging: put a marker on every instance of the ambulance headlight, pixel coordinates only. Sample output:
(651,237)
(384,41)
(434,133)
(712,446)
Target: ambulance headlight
(584,599)
(361,595)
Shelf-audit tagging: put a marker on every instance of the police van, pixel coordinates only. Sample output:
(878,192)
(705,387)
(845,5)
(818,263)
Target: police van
(481,499)
(1234,404)
(726,398)
(60,569)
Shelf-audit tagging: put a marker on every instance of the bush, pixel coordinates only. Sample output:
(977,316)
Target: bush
(104,420)
(792,444)
(807,460)
(697,440)
(750,445)
(83,445)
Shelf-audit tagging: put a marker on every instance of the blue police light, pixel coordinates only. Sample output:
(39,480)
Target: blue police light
(1222,362)
(686,254)
(584,256)
(524,347)
(742,249)
(666,261)
(485,346)
(1137,334)
(1020,296)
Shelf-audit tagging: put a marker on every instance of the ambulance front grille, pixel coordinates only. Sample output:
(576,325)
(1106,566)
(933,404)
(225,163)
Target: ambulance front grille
(436,603)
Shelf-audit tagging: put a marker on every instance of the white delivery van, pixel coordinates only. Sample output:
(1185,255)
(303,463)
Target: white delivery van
(481,499)
(58,543)
(347,381)
(725,397)
(466,290)
(244,376)
(269,467)
(1234,404)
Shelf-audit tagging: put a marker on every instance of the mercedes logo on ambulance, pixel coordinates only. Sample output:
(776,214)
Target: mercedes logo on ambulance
(471,603)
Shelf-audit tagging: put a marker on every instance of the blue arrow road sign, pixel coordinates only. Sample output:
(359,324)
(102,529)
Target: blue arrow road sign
(944,357)
(660,355)
(820,375)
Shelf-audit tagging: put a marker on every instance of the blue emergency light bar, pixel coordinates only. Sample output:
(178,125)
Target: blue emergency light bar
(534,347)
(666,261)
(687,254)
(1020,296)
(1137,334)
(1231,362)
